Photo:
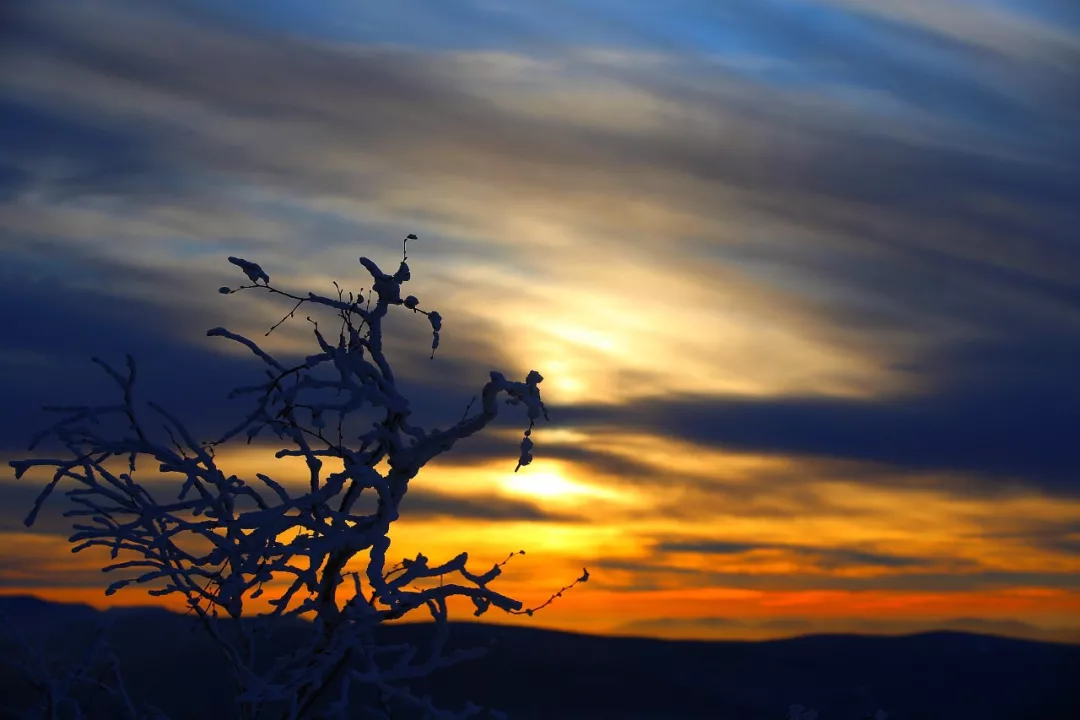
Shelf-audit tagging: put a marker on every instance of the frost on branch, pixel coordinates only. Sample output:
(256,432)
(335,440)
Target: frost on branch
(222,540)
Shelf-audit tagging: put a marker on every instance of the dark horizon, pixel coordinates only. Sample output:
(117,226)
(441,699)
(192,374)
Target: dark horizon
(931,675)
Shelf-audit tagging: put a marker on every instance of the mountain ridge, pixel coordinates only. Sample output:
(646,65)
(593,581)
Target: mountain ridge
(533,673)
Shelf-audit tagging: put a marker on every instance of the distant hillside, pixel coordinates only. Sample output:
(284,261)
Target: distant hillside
(534,674)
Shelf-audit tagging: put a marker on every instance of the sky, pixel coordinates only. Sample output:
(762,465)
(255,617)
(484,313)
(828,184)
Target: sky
(802,277)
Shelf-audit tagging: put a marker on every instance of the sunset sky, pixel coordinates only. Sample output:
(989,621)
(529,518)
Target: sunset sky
(802,277)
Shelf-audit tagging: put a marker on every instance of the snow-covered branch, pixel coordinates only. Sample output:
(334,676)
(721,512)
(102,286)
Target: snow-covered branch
(220,540)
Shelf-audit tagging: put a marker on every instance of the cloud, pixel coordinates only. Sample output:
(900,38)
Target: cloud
(66,306)
(815,263)
(40,562)
(47,354)
(999,433)
(828,233)
(652,575)
(653,624)
(17,499)
(824,558)
(586,459)
(422,503)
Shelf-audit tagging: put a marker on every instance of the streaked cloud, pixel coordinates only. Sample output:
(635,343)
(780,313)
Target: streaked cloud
(801,276)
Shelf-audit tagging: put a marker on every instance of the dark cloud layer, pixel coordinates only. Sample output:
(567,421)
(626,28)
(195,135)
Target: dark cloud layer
(47,361)
(651,575)
(826,558)
(58,311)
(1000,434)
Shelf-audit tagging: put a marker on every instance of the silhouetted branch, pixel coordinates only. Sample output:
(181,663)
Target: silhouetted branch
(217,552)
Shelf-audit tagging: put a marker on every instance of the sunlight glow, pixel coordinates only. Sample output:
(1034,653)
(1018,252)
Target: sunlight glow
(551,485)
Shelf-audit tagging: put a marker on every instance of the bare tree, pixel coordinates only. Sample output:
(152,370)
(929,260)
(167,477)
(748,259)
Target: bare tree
(222,540)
